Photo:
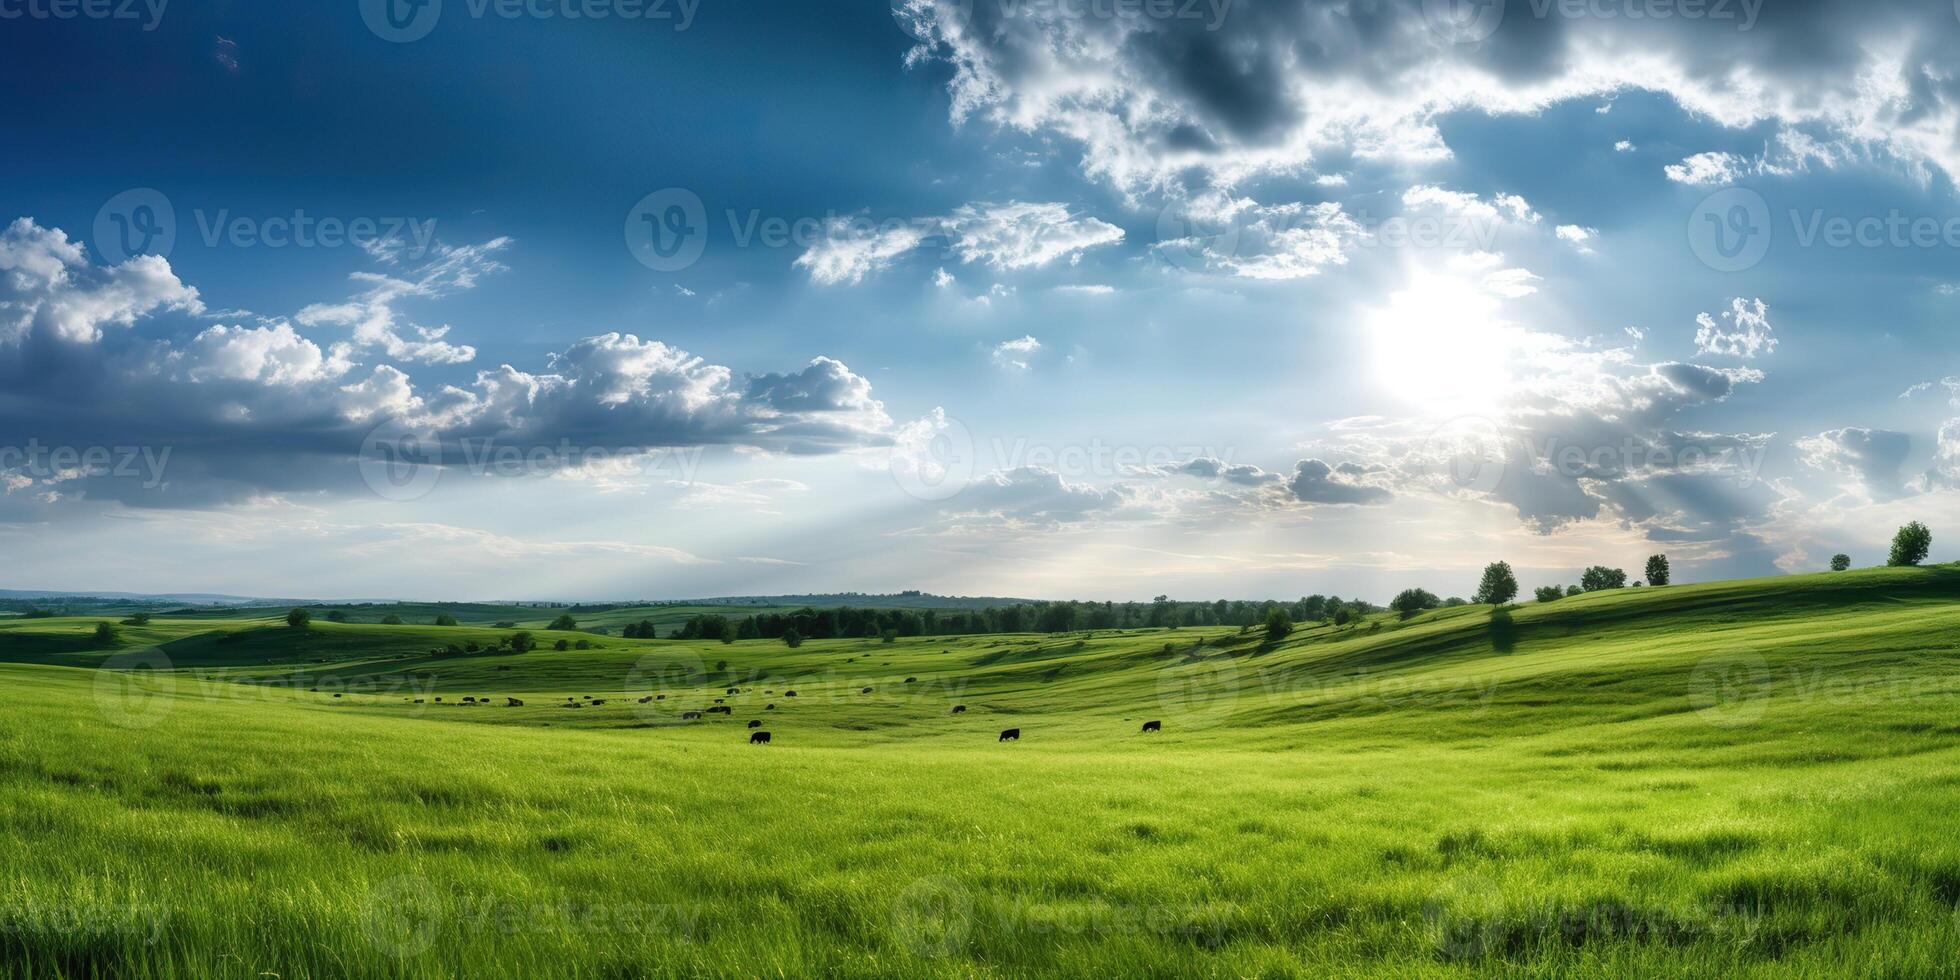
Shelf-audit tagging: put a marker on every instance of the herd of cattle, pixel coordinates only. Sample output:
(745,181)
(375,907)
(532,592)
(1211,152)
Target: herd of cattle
(756,737)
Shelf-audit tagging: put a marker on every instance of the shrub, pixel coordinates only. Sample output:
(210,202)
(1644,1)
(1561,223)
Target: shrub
(562,645)
(391,620)
(445,620)
(522,641)
(582,645)
(336,616)
(139,619)
(299,619)
(1572,590)
(563,622)
(1910,545)
(888,636)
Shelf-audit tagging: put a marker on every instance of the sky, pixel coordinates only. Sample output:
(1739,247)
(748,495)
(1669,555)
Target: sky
(1097,299)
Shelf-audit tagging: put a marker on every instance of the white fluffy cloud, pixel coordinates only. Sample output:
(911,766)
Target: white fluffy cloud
(50,290)
(1743,331)
(374,319)
(1014,354)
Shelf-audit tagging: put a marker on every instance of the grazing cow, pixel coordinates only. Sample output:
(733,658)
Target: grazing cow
(646,699)
(660,697)
(513,703)
(865,691)
(758,738)
(314,690)
(418,700)
(721,709)
(1153,726)
(1011,735)
(911,680)
(769,707)
(755,723)
(469,700)
(789,694)
(733,690)
(690,715)
(438,700)
(336,695)
(598,702)
(959,709)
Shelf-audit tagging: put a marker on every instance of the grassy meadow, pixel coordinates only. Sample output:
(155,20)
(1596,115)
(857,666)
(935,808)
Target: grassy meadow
(1731,779)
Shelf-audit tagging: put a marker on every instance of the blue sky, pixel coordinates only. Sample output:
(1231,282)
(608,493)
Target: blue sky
(1041,298)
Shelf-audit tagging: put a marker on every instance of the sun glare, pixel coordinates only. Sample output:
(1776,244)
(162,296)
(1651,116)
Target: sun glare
(1440,344)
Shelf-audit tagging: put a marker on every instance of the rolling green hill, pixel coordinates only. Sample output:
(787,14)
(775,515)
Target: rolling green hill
(1706,780)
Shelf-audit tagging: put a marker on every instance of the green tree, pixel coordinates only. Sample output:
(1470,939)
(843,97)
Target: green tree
(391,620)
(1599,577)
(445,620)
(1657,571)
(137,619)
(1278,625)
(1910,545)
(1499,586)
(562,645)
(336,616)
(1572,590)
(1840,562)
(106,635)
(563,622)
(299,619)
(792,639)
(522,642)
(1548,593)
(1408,602)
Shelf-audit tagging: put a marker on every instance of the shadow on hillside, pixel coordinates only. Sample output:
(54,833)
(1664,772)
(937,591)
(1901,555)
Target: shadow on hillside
(1503,631)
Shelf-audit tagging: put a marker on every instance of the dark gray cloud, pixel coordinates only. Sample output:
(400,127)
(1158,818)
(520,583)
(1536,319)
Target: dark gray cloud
(1315,482)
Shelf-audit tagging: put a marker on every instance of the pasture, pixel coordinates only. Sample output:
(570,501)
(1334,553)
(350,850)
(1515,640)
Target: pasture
(1708,780)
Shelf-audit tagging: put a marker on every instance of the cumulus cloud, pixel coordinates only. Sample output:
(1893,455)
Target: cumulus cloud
(1578,236)
(1005,237)
(1315,482)
(1743,331)
(1160,104)
(1014,354)
(1873,458)
(50,292)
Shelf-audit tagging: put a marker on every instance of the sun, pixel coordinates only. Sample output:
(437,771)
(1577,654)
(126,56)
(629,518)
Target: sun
(1441,345)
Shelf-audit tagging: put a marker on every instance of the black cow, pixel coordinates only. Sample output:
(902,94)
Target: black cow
(768,707)
(660,697)
(758,738)
(959,709)
(756,723)
(513,703)
(865,691)
(469,700)
(1011,735)
(598,702)
(789,694)
(733,690)
(1153,726)
(721,709)
(336,695)
(690,715)
(911,680)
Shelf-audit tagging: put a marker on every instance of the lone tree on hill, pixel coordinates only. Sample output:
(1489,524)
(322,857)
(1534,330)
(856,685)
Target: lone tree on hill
(1840,562)
(1600,577)
(1499,586)
(299,619)
(792,639)
(1910,545)
(1278,625)
(106,635)
(1411,601)
(563,622)
(1657,572)
(445,620)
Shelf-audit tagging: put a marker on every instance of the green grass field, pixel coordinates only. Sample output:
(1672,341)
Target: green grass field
(1740,778)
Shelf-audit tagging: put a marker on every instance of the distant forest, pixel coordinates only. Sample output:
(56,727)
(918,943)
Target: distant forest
(1038,617)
